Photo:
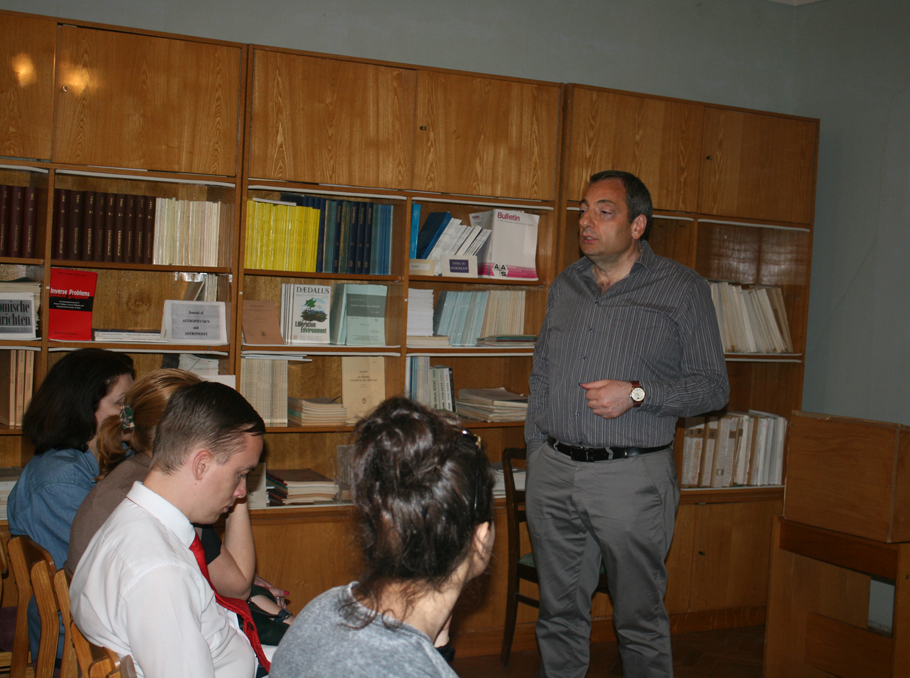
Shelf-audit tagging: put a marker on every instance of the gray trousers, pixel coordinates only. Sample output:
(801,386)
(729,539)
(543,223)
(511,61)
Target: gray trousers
(624,511)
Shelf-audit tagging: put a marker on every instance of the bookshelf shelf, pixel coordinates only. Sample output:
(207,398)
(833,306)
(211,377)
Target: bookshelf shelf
(10,431)
(471,352)
(21,262)
(764,358)
(310,275)
(512,282)
(308,429)
(119,266)
(703,495)
(143,347)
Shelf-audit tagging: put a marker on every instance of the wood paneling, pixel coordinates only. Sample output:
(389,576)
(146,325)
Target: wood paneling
(658,140)
(484,136)
(731,554)
(26,85)
(331,121)
(758,166)
(138,101)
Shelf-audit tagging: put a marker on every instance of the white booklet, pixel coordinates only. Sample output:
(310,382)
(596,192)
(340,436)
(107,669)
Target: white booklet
(194,322)
(511,250)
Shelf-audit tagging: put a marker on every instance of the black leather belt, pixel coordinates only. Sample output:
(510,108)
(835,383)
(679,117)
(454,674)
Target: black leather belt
(601,453)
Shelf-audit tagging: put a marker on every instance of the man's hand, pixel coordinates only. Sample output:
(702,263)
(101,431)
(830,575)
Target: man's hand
(608,398)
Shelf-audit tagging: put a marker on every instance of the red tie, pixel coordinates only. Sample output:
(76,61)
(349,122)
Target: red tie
(232,604)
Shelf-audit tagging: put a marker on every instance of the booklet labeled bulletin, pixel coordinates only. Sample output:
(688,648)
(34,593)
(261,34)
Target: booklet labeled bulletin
(511,250)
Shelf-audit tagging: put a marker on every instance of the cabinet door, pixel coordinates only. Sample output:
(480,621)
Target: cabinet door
(331,121)
(758,166)
(731,554)
(658,140)
(144,102)
(485,136)
(26,86)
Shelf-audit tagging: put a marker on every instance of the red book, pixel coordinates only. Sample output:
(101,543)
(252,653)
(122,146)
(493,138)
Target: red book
(70,304)
(88,225)
(17,218)
(74,226)
(61,208)
(6,196)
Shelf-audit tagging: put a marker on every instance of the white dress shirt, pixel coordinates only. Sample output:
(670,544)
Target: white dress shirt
(138,590)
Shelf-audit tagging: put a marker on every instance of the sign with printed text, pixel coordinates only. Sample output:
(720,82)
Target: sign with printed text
(194,322)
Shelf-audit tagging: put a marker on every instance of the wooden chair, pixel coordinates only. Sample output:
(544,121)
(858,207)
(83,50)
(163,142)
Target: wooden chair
(68,662)
(6,658)
(99,662)
(23,555)
(521,566)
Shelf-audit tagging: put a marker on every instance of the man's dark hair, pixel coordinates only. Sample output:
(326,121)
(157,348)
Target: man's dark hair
(61,414)
(420,487)
(638,197)
(207,414)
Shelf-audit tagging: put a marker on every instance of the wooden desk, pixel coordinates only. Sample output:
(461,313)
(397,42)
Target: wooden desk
(818,605)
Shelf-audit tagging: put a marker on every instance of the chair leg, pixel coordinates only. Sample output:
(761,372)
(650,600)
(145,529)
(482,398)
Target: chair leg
(511,615)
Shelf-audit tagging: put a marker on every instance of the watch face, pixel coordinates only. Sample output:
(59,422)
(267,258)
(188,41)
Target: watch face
(637,394)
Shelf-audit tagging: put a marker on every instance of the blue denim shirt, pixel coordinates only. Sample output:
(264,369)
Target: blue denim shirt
(43,504)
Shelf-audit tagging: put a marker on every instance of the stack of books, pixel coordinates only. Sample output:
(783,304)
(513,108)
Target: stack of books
(18,221)
(17,374)
(8,478)
(442,235)
(298,486)
(264,383)
(420,312)
(466,316)
(519,475)
(751,319)
(432,386)
(320,235)
(322,411)
(738,448)
(491,404)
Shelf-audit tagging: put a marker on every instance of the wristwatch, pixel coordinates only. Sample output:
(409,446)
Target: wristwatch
(637,394)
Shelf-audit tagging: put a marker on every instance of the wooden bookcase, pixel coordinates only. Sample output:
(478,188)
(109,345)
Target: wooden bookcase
(256,121)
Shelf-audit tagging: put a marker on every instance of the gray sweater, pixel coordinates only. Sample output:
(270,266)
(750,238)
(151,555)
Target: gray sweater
(324,641)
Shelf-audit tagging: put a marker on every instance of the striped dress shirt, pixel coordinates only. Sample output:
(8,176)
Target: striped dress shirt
(656,326)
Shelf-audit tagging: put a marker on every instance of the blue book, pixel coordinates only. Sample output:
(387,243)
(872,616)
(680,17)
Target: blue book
(430,231)
(415,228)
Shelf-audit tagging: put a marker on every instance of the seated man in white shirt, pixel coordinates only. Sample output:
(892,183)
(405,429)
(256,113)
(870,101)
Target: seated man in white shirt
(138,588)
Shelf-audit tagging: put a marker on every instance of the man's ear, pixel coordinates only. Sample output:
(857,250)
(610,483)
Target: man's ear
(200,462)
(639,224)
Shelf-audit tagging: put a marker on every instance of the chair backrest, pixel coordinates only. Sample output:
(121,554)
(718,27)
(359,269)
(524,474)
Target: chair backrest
(42,585)
(68,662)
(23,555)
(99,662)
(515,499)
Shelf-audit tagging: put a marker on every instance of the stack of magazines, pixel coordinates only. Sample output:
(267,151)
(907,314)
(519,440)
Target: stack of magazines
(322,411)
(491,404)
(298,486)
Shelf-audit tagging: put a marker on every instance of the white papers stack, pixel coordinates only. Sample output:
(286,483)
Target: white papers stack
(459,316)
(8,478)
(751,320)
(322,411)
(519,475)
(197,364)
(491,404)
(420,312)
(264,383)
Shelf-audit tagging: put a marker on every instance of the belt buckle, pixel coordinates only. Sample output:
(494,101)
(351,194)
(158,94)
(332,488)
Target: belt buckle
(610,455)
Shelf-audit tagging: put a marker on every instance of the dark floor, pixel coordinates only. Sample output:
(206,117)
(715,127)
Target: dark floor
(728,653)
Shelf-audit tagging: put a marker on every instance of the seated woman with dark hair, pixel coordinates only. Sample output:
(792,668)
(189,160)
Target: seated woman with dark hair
(78,393)
(423,499)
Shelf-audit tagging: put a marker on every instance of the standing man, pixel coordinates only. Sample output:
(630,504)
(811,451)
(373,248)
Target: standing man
(630,343)
(140,587)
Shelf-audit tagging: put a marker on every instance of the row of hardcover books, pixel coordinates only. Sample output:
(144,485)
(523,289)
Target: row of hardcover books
(319,235)
(18,219)
(751,319)
(140,229)
(738,448)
